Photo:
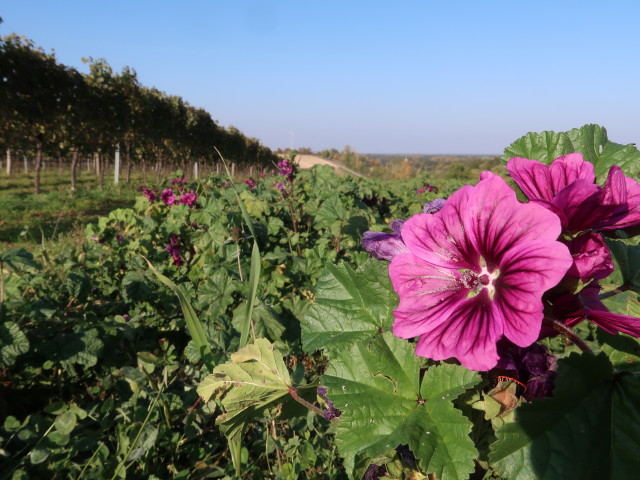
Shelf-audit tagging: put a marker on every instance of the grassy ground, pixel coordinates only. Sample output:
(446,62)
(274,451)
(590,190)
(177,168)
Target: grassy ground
(55,215)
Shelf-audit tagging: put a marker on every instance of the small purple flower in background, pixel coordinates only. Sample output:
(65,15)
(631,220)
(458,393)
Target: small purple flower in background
(261,175)
(251,183)
(168,197)
(476,272)
(420,190)
(434,206)
(151,196)
(286,169)
(281,187)
(534,366)
(119,239)
(173,247)
(331,412)
(567,187)
(385,246)
(227,184)
(179,180)
(189,198)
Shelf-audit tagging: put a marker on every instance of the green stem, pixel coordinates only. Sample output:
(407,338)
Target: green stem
(294,394)
(89,461)
(135,441)
(620,289)
(567,332)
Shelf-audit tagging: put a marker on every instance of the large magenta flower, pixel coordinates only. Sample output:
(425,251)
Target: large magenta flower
(567,187)
(476,272)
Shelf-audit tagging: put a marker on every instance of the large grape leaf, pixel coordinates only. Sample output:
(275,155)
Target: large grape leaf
(254,379)
(349,306)
(376,385)
(588,430)
(590,140)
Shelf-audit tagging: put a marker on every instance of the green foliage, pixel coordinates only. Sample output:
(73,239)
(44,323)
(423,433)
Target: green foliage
(590,140)
(349,306)
(587,430)
(104,358)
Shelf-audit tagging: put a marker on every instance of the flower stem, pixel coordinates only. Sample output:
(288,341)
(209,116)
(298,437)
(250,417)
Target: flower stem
(620,289)
(294,393)
(567,332)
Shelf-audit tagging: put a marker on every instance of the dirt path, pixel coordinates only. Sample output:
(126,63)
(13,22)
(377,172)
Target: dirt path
(308,161)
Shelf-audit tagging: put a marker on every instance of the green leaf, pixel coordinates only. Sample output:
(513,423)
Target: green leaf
(626,257)
(264,318)
(625,303)
(81,347)
(19,258)
(254,277)
(254,379)
(590,140)
(196,330)
(12,343)
(623,350)
(350,306)
(135,286)
(38,455)
(376,385)
(332,210)
(586,431)
(65,423)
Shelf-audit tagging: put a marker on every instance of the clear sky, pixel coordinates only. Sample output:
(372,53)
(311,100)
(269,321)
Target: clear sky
(381,76)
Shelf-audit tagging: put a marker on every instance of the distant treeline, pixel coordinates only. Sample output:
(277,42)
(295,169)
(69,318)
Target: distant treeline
(49,109)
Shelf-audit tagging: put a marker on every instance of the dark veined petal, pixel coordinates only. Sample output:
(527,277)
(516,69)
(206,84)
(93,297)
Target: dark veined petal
(580,203)
(428,294)
(569,168)
(533,178)
(440,239)
(614,323)
(599,314)
(526,272)
(471,334)
(496,222)
(624,193)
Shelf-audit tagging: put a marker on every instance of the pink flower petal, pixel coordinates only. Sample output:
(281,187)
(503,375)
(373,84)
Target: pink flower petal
(614,323)
(526,272)
(580,204)
(622,197)
(591,258)
(471,335)
(497,222)
(428,294)
(533,178)
(569,168)
(440,239)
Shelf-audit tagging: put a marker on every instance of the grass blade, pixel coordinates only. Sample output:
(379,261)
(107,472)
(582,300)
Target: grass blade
(196,330)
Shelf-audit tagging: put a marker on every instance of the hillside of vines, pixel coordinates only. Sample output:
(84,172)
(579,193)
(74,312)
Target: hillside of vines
(49,110)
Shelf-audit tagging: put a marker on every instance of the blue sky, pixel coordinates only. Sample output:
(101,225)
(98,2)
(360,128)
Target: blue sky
(383,77)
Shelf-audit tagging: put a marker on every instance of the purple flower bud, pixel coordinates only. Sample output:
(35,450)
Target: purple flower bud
(385,246)
(434,206)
